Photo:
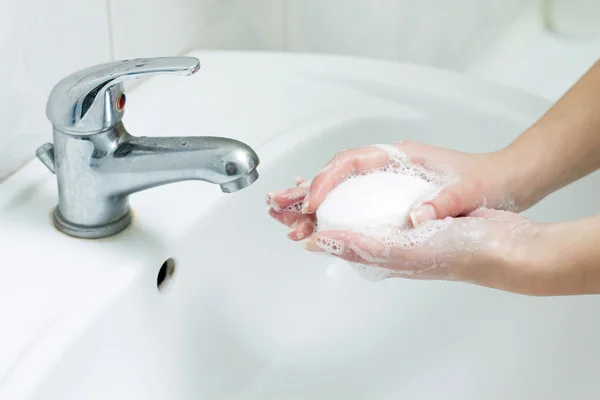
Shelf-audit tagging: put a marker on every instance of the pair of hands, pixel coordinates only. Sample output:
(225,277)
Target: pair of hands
(468,232)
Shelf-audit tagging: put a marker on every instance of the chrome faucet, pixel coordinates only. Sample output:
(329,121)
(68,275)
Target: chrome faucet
(98,164)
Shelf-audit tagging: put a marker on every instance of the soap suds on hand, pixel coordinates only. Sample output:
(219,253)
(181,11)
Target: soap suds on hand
(377,203)
(373,200)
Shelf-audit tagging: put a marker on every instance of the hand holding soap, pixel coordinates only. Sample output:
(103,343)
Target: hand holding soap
(371,202)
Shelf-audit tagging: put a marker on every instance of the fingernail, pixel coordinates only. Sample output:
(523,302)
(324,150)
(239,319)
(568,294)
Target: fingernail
(422,214)
(305,205)
(293,226)
(292,234)
(310,245)
(298,180)
(272,205)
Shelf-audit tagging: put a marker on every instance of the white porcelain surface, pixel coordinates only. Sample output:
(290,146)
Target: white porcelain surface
(251,315)
(40,42)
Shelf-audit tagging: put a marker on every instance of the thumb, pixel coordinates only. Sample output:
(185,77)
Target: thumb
(456,199)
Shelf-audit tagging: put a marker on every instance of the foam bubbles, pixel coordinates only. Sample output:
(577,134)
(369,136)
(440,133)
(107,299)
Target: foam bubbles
(331,246)
(272,204)
(371,272)
(424,179)
(393,231)
(295,207)
(400,163)
(509,204)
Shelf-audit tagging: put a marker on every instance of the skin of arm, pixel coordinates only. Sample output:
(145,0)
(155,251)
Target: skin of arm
(562,146)
(568,253)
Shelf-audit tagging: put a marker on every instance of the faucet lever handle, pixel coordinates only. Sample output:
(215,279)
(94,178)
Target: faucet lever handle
(92,100)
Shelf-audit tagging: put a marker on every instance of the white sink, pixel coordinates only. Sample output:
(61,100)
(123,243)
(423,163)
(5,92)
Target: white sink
(249,314)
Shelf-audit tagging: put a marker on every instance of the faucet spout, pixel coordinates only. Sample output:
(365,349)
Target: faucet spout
(139,163)
(97,173)
(98,164)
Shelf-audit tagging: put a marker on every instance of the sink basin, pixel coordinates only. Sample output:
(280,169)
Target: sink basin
(242,312)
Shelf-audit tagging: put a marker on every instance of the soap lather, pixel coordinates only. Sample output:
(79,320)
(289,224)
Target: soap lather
(371,202)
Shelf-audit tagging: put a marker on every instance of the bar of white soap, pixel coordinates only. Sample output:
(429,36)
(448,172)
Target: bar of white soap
(371,201)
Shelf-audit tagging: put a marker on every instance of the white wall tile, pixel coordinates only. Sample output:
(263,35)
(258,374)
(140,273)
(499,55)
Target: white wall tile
(575,18)
(152,28)
(162,27)
(354,27)
(245,25)
(451,34)
(446,34)
(40,42)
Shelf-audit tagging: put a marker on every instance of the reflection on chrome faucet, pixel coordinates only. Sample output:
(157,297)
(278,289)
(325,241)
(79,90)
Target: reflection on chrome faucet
(98,164)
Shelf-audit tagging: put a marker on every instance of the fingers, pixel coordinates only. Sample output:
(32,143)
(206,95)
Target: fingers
(342,166)
(350,246)
(415,249)
(338,244)
(300,225)
(419,253)
(302,228)
(284,206)
(460,198)
(287,218)
(288,199)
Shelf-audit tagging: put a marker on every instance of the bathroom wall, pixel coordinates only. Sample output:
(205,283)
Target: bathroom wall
(443,33)
(574,19)
(446,34)
(39,42)
(42,41)
(158,27)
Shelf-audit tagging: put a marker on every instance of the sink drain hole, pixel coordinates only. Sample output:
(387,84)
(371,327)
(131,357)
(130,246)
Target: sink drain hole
(165,275)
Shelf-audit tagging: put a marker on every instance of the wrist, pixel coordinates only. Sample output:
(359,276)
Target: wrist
(514,263)
(559,259)
(523,264)
(503,181)
(521,176)
(515,266)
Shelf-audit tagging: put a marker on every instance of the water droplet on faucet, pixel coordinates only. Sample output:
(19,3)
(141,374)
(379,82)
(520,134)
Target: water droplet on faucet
(183,143)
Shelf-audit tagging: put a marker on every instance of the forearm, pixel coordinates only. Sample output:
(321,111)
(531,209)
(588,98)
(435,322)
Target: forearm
(564,258)
(563,146)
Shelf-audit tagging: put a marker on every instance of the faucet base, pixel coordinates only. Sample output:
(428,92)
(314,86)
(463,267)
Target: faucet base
(91,232)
